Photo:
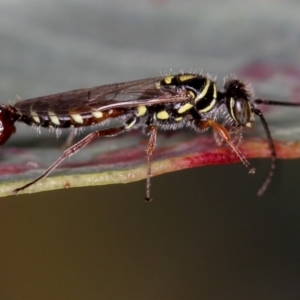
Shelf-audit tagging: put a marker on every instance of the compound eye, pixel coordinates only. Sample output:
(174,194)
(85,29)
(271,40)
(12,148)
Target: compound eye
(242,111)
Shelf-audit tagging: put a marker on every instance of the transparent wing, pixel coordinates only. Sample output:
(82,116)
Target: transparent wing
(127,94)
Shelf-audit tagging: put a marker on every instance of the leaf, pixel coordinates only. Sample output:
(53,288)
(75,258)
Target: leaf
(123,159)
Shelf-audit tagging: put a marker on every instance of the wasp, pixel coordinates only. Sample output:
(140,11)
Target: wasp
(169,103)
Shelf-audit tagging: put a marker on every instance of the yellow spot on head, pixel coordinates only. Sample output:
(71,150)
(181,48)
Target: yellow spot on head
(178,119)
(77,118)
(162,115)
(141,111)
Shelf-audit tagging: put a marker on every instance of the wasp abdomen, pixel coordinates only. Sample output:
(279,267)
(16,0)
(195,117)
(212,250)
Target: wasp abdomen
(40,114)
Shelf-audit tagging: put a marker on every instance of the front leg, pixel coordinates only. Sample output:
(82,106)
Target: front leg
(224,136)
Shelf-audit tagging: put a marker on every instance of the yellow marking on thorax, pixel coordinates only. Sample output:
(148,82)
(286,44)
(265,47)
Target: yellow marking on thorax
(215,91)
(131,124)
(162,115)
(191,94)
(168,79)
(178,119)
(204,91)
(141,111)
(184,108)
(157,85)
(209,107)
(186,77)
(53,118)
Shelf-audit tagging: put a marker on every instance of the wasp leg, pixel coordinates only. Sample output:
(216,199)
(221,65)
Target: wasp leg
(152,131)
(69,140)
(225,136)
(72,150)
(236,132)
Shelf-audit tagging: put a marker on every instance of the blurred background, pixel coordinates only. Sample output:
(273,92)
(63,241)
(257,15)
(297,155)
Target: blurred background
(206,235)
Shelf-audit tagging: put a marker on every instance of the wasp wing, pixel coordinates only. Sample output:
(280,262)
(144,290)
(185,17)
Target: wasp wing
(127,94)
